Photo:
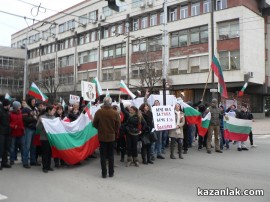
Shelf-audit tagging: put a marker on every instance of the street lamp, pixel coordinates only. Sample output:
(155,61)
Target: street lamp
(25,69)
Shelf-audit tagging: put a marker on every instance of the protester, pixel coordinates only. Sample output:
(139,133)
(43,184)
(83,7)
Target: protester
(46,148)
(30,116)
(17,131)
(4,134)
(214,126)
(177,134)
(107,122)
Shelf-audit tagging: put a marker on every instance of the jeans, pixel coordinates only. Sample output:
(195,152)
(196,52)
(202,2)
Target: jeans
(223,141)
(164,139)
(158,143)
(28,146)
(15,143)
(191,134)
(106,152)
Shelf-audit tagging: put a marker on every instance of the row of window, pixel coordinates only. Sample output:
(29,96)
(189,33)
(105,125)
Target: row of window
(11,82)
(11,63)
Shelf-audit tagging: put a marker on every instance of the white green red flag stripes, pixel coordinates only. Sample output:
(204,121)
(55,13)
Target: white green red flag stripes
(192,115)
(7,96)
(63,104)
(237,129)
(73,141)
(98,87)
(107,93)
(218,72)
(36,93)
(125,89)
(241,93)
(203,128)
(88,111)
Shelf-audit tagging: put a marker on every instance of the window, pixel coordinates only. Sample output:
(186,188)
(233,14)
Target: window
(207,6)
(53,29)
(107,74)
(229,60)
(70,79)
(83,19)
(155,43)
(195,9)
(135,24)
(183,38)
(93,55)
(108,52)
(195,36)
(93,16)
(144,23)
(112,31)
(228,30)
(127,27)
(204,34)
(153,20)
(194,64)
(173,14)
(93,36)
(71,42)
(106,33)
(221,4)
(161,18)
(81,39)
(117,74)
(107,11)
(120,29)
(49,64)
(62,28)
(70,24)
(136,3)
(66,61)
(183,12)
(87,38)
(118,50)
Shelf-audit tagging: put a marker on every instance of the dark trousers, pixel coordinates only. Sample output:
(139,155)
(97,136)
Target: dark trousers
(202,141)
(146,152)
(46,154)
(4,148)
(185,141)
(132,141)
(251,138)
(122,145)
(106,152)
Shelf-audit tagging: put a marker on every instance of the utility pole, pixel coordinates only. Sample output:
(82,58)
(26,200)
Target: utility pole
(127,45)
(99,52)
(75,62)
(165,51)
(25,69)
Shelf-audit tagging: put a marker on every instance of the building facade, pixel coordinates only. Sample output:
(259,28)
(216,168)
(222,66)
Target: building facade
(11,71)
(89,40)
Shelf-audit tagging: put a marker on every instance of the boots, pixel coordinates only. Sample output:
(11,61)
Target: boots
(172,149)
(180,149)
(143,153)
(129,161)
(122,157)
(136,161)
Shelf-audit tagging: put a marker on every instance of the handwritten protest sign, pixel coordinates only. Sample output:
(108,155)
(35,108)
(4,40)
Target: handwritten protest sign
(74,99)
(164,117)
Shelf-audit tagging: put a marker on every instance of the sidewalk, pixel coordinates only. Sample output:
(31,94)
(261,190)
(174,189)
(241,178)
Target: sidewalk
(261,126)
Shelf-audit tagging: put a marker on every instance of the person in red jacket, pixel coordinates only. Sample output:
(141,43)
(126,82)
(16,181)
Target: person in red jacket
(17,130)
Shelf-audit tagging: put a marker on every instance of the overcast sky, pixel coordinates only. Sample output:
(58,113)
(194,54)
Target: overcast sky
(11,24)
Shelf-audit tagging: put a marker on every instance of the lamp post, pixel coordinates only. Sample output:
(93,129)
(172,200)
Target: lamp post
(25,69)
(212,45)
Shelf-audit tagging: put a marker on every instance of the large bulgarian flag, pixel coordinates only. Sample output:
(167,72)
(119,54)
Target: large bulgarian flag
(237,129)
(192,115)
(218,72)
(98,87)
(203,128)
(73,141)
(36,93)
(125,89)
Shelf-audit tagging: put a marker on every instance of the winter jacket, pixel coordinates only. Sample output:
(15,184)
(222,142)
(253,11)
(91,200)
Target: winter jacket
(180,122)
(29,117)
(16,124)
(107,122)
(215,116)
(40,127)
(4,121)
(244,115)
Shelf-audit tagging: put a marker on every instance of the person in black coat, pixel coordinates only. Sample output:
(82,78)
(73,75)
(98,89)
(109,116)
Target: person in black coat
(4,134)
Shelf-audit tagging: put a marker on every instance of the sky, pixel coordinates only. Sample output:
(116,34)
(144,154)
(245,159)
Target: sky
(10,24)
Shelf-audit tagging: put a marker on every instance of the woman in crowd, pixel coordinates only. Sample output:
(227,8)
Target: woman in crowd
(46,148)
(177,134)
(134,126)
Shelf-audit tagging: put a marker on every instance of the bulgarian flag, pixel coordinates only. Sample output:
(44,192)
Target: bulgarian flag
(192,115)
(107,93)
(241,93)
(71,142)
(125,89)
(63,104)
(36,93)
(98,87)
(7,96)
(237,129)
(218,72)
(87,110)
(203,128)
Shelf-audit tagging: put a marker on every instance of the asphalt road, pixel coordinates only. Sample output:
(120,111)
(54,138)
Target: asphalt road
(165,181)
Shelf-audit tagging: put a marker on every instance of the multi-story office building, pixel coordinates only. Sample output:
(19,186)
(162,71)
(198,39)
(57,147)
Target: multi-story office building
(11,71)
(89,40)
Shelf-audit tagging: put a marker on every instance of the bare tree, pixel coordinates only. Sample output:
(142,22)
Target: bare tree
(150,70)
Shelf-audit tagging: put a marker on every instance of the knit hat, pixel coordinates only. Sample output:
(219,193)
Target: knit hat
(16,105)
(6,102)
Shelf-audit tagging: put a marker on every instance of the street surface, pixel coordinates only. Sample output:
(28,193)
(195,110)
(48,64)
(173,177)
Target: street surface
(166,181)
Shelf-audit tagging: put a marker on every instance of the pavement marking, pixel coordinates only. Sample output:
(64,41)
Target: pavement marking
(2,197)
(262,136)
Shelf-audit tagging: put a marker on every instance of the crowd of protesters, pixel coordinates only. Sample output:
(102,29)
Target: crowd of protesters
(127,129)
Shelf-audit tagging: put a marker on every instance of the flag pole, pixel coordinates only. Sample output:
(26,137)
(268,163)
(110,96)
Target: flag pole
(206,83)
